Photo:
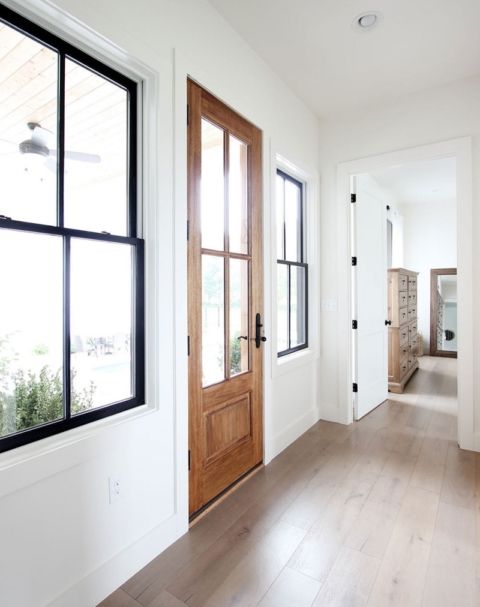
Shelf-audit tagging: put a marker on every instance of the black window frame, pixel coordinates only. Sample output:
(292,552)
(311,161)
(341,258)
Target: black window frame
(65,50)
(302,263)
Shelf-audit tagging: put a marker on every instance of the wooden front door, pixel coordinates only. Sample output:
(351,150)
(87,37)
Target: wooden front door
(224,297)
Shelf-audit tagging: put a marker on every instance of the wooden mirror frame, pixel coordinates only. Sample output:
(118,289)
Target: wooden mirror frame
(434,274)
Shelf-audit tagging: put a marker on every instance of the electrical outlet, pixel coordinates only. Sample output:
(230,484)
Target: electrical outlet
(114,489)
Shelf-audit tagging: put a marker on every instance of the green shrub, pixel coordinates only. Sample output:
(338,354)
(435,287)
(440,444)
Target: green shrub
(236,355)
(39,400)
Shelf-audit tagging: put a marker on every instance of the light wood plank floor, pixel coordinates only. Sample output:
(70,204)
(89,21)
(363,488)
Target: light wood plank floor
(384,512)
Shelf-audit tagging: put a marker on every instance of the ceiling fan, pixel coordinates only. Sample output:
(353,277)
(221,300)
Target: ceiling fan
(38,145)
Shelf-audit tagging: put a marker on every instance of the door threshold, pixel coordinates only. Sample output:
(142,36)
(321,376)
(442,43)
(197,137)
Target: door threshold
(213,503)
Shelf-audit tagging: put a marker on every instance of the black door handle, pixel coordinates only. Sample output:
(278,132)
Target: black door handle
(388,322)
(258,326)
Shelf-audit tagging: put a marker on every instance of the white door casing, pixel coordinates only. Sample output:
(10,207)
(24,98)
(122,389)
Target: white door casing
(369,288)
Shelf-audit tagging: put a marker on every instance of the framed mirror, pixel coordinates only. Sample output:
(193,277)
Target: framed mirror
(443,312)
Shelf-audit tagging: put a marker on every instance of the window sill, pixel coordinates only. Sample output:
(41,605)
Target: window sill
(289,362)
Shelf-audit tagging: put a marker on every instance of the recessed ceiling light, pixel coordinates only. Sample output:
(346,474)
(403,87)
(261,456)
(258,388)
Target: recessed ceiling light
(366,21)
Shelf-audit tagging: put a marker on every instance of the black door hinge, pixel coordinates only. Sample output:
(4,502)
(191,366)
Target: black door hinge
(354,324)
(388,207)
(353,198)
(354,261)
(189,459)
(355,387)
(188,345)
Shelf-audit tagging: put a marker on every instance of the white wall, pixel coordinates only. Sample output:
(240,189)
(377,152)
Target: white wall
(61,541)
(430,241)
(444,113)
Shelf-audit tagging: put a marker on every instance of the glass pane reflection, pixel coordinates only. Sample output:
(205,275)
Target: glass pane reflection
(238,195)
(101,323)
(239,338)
(213,320)
(212,187)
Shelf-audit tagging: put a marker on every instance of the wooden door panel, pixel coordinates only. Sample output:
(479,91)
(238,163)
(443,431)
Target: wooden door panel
(225,418)
(220,393)
(228,426)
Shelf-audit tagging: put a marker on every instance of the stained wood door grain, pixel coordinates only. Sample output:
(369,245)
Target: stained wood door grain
(224,296)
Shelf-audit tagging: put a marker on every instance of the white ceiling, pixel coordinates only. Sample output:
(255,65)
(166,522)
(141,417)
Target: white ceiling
(420,182)
(312,46)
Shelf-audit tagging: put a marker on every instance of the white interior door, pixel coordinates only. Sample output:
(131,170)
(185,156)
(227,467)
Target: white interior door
(370,357)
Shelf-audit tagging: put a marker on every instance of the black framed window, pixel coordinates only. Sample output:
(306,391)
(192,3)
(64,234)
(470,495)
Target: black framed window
(71,256)
(292,269)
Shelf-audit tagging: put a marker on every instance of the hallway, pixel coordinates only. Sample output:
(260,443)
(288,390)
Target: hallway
(383,512)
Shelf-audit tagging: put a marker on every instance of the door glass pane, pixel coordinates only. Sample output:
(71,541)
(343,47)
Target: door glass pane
(282,307)
(95,152)
(101,323)
(297,306)
(280,217)
(213,319)
(239,338)
(31,330)
(28,121)
(212,187)
(293,221)
(238,195)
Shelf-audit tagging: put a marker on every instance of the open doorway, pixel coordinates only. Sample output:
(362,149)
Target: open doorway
(403,228)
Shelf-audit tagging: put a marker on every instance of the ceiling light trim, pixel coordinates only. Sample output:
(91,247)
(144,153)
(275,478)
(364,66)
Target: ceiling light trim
(367,21)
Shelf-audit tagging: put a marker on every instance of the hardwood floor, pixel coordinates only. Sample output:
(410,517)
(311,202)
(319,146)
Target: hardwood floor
(384,512)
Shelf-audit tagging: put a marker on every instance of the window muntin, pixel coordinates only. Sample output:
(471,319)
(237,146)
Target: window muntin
(72,317)
(292,269)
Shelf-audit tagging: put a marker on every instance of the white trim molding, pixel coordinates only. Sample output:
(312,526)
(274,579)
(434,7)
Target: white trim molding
(310,181)
(461,150)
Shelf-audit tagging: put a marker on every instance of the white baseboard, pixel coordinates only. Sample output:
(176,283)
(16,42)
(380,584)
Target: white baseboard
(475,442)
(96,586)
(332,413)
(285,438)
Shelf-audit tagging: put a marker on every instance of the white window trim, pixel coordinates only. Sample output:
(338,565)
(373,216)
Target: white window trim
(309,178)
(76,33)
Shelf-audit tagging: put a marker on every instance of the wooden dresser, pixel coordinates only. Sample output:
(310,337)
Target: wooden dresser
(402,332)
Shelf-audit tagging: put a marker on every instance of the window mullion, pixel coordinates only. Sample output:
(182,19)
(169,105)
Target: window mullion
(138,336)
(289,306)
(284,224)
(67,377)
(61,142)
(132,229)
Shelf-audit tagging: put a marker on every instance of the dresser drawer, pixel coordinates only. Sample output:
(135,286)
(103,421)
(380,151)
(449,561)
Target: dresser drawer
(402,282)
(412,312)
(403,366)
(404,351)
(413,329)
(402,299)
(403,336)
(403,316)
(412,283)
(413,344)
(412,297)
